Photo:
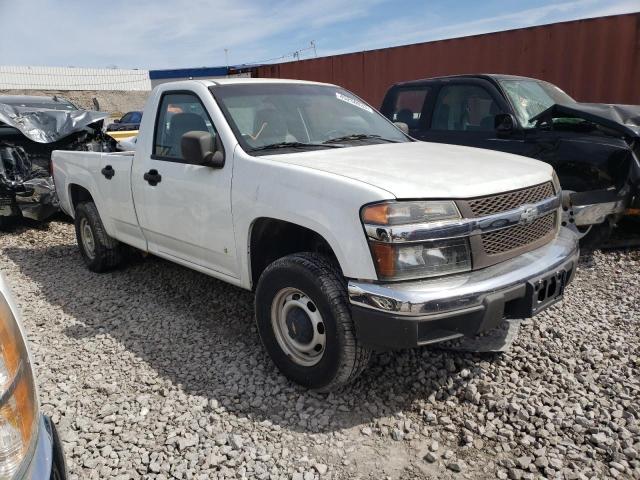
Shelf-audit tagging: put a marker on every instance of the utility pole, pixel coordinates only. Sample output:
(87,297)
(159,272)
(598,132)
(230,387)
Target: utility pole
(313,45)
(226,57)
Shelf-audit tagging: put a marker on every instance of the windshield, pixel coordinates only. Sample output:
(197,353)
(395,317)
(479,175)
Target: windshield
(530,97)
(294,116)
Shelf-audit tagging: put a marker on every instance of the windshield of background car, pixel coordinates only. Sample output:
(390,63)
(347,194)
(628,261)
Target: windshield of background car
(311,116)
(530,97)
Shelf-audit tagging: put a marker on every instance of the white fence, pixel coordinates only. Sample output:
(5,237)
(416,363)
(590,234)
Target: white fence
(71,78)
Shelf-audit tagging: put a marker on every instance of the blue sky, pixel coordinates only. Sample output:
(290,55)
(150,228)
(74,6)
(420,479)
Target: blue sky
(192,33)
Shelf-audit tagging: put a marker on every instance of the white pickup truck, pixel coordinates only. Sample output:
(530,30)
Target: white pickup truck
(353,236)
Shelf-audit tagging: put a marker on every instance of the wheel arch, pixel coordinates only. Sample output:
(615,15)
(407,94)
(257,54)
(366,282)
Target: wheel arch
(77,194)
(272,238)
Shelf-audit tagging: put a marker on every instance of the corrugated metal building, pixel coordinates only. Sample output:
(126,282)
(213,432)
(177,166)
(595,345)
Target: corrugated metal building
(594,60)
(71,78)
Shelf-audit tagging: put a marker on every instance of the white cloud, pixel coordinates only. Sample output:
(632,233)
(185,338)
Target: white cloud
(158,33)
(182,33)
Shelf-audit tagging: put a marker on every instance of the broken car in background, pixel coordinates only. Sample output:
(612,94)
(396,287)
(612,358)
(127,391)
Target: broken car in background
(31,127)
(594,148)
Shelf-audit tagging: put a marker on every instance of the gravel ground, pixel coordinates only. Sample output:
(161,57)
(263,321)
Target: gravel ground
(155,371)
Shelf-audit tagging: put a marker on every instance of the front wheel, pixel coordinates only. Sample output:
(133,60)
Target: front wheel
(304,321)
(100,252)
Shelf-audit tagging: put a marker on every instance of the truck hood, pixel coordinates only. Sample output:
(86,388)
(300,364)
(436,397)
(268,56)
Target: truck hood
(624,119)
(426,170)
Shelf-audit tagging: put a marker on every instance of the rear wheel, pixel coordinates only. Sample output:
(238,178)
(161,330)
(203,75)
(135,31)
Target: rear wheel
(304,321)
(100,252)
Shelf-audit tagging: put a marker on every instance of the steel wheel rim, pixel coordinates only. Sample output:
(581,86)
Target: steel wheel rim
(302,339)
(88,241)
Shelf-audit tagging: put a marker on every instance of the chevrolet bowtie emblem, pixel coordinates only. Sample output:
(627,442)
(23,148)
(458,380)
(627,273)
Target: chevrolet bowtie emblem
(528,215)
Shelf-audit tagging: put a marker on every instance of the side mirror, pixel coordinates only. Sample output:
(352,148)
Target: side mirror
(402,126)
(117,120)
(505,124)
(199,148)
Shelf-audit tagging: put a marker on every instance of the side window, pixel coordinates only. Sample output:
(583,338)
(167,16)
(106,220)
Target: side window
(408,105)
(178,114)
(126,118)
(465,108)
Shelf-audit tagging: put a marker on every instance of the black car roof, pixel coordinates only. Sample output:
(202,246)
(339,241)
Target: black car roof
(493,77)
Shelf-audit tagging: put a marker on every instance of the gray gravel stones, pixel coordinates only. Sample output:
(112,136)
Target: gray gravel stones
(155,371)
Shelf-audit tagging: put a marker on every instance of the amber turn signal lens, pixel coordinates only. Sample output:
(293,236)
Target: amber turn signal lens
(9,346)
(384,256)
(19,405)
(376,214)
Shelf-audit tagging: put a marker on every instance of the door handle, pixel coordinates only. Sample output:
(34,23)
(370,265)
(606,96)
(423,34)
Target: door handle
(153,177)
(108,172)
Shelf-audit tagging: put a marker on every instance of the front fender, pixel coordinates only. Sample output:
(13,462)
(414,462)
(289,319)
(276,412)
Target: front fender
(325,203)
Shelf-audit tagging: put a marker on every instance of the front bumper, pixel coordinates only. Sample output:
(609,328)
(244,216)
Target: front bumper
(409,314)
(48,459)
(594,207)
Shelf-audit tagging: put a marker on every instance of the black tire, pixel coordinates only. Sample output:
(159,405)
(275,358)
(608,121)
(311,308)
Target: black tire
(107,252)
(343,358)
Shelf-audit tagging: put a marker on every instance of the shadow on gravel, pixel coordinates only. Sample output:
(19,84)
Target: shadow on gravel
(198,333)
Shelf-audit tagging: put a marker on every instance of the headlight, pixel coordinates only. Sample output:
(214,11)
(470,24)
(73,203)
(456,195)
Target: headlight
(397,257)
(18,403)
(404,213)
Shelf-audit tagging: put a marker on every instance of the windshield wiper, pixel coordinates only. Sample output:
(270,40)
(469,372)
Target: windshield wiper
(358,136)
(275,146)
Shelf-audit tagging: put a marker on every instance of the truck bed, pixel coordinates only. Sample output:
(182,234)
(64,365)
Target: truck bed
(78,173)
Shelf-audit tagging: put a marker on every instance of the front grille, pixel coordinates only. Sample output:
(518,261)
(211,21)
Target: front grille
(507,239)
(480,207)
(6,201)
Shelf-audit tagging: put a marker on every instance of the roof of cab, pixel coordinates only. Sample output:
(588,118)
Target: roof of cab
(247,80)
(487,76)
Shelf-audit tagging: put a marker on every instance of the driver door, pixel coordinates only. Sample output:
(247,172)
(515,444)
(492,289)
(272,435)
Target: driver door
(185,209)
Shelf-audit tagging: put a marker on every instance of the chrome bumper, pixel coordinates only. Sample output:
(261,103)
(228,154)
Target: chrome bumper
(594,207)
(433,297)
(585,215)
(47,461)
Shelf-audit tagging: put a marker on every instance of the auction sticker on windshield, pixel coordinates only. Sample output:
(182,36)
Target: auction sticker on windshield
(353,101)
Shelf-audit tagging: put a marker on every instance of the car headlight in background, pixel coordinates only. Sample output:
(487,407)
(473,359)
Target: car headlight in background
(397,256)
(18,402)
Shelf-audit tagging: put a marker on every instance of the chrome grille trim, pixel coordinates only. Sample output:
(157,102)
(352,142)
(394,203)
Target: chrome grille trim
(462,228)
(506,240)
(502,202)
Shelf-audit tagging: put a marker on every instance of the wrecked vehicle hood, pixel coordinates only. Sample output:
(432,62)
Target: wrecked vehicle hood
(31,128)
(624,119)
(47,126)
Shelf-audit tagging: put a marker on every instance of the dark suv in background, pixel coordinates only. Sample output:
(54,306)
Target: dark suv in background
(594,148)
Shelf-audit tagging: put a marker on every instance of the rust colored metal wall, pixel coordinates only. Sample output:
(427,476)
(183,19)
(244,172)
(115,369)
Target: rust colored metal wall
(594,60)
